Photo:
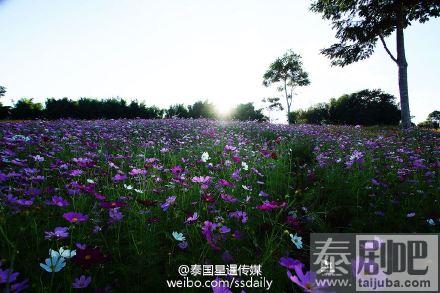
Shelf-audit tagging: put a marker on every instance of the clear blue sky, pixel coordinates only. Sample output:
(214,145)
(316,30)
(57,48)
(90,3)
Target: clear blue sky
(180,51)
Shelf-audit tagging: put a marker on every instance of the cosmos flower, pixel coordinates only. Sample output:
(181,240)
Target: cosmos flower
(271,205)
(8,276)
(178,236)
(183,245)
(119,177)
(65,253)
(205,157)
(289,263)
(305,281)
(115,215)
(192,218)
(82,282)
(58,233)
(74,217)
(54,263)
(297,240)
(112,204)
(59,201)
(88,257)
(168,202)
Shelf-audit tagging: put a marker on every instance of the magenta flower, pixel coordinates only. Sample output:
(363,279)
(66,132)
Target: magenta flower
(74,217)
(271,205)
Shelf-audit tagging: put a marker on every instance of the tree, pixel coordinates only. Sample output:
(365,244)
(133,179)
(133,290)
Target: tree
(2,91)
(178,110)
(272,104)
(201,110)
(287,71)
(433,120)
(360,24)
(366,107)
(245,112)
(26,109)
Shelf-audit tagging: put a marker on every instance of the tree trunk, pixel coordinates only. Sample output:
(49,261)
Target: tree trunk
(287,101)
(403,69)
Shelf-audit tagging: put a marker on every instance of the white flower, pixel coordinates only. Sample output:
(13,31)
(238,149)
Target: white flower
(65,253)
(244,166)
(178,236)
(90,181)
(128,187)
(205,157)
(139,190)
(38,158)
(245,187)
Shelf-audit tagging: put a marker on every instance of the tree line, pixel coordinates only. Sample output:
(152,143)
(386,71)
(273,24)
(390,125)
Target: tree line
(117,108)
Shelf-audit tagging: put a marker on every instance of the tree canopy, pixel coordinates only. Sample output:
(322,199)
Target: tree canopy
(287,72)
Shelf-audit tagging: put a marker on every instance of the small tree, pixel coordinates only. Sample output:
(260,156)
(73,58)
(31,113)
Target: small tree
(288,73)
(272,104)
(360,24)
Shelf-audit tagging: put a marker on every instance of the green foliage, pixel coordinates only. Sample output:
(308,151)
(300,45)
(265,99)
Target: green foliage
(27,109)
(359,24)
(433,120)
(366,107)
(2,91)
(86,108)
(178,110)
(202,110)
(287,72)
(247,111)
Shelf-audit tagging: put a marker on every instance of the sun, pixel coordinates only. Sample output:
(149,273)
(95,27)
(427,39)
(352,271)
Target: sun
(223,109)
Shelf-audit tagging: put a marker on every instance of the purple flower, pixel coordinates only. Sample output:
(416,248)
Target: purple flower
(183,245)
(8,276)
(301,279)
(119,177)
(74,217)
(82,282)
(192,218)
(228,198)
(289,263)
(239,215)
(168,202)
(59,201)
(58,233)
(115,215)
(224,229)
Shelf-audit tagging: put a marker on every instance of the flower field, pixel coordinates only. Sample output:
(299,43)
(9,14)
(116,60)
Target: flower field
(111,205)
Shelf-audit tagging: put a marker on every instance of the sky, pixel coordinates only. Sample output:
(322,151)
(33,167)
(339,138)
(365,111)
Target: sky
(180,51)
